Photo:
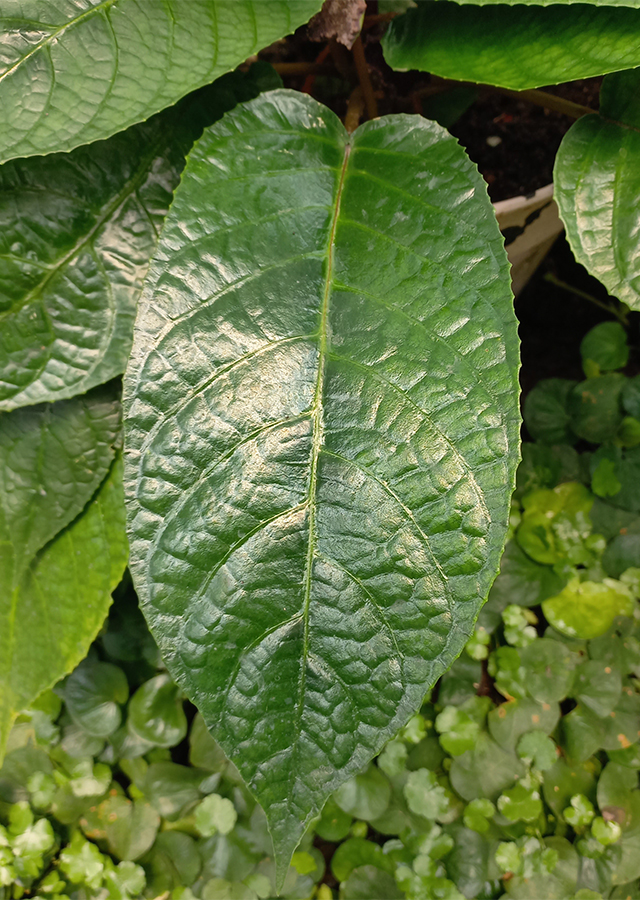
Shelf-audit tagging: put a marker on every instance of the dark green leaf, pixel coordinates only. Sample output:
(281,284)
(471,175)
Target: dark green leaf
(76,234)
(514,46)
(549,669)
(357,852)
(61,601)
(598,151)
(618,795)
(606,346)
(204,751)
(545,467)
(626,470)
(52,460)
(156,714)
(595,407)
(334,823)
(101,67)
(315,524)
(597,686)
(93,694)
(631,396)
(539,749)
(129,829)
(369,883)
(172,789)
(562,782)
(364,796)
(546,414)
(509,721)
(521,581)
(485,771)
(172,862)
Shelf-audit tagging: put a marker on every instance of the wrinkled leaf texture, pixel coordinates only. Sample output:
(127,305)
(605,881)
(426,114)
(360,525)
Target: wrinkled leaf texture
(517,47)
(321,436)
(50,618)
(597,188)
(77,231)
(77,71)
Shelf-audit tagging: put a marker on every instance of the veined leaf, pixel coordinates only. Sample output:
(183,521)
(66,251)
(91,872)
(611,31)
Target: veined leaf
(597,187)
(516,47)
(322,422)
(76,71)
(53,457)
(77,231)
(49,619)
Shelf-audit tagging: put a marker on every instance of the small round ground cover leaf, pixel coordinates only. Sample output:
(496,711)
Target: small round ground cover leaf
(93,694)
(545,411)
(369,883)
(597,187)
(549,669)
(214,815)
(625,471)
(516,47)
(77,231)
(365,796)
(61,601)
(595,407)
(319,448)
(102,65)
(156,714)
(587,609)
(509,721)
(606,345)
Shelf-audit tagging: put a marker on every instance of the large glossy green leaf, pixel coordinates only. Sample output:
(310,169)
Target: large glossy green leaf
(597,187)
(53,457)
(76,71)
(77,231)
(49,619)
(321,432)
(516,47)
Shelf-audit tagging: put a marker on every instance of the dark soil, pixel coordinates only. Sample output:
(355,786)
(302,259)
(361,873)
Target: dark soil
(528,135)
(513,141)
(553,320)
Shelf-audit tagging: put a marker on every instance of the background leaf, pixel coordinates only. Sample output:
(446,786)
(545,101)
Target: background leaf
(515,47)
(77,231)
(597,187)
(318,446)
(103,65)
(52,459)
(61,601)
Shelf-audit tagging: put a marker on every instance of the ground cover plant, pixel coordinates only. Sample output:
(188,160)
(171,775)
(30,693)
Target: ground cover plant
(517,778)
(320,443)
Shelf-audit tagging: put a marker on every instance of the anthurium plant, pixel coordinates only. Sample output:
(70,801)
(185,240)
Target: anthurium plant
(316,439)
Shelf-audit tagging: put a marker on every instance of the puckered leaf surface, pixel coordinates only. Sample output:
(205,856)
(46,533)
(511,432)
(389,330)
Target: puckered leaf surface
(597,179)
(77,231)
(517,47)
(322,422)
(76,71)
(50,617)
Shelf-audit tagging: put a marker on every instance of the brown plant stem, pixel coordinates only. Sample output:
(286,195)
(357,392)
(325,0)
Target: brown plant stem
(364,78)
(619,314)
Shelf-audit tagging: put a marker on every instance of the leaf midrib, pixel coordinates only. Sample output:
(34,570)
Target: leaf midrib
(317,415)
(105,214)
